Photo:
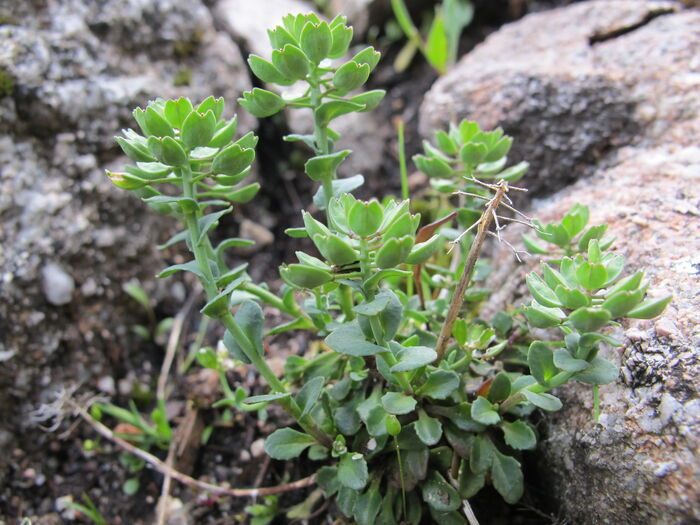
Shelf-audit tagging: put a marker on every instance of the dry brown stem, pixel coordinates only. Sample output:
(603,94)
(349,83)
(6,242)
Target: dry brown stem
(164,469)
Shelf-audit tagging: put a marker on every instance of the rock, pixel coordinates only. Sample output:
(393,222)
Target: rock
(75,70)
(574,83)
(560,82)
(255,232)
(249,21)
(58,285)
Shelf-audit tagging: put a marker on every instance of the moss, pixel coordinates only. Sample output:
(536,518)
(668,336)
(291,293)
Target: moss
(7,84)
(183,77)
(187,48)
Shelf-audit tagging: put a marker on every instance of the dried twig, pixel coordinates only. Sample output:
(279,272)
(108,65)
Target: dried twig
(162,467)
(483,224)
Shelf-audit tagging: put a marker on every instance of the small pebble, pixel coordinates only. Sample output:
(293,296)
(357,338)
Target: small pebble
(58,286)
(106,384)
(665,327)
(257,448)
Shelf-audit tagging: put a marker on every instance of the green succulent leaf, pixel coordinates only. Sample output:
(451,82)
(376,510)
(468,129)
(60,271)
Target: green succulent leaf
(413,357)
(565,361)
(439,384)
(439,495)
(291,62)
(364,218)
(304,276)
(342,36)
(316,41)
(622,302)
(336,108)
(544,401)
(198,129)
(507,477)
(261,103)
(352,471)
(367,56)
(156,124)
(432,166)
(393,252)
(473,153)
(398,403)
(541,291)
(351,76)
(591,276)
(167,150)
(224,134)
(324,166)
(519,435)
(176,111)
(500,388)
(484,412)
(267,72)
(233,160)
(428,429)
(481,454)
(540,359)
(600,372)
(308,394)
(589,319)
(650,308)
(287,443)
(348,339)
(543,317)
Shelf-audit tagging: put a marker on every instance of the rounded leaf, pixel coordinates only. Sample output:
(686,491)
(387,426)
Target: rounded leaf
(198,129)
(350,76)
(261,103)
(364,218)
(233,160)
(316,41)
(303,276)
(291,62)
(394,252)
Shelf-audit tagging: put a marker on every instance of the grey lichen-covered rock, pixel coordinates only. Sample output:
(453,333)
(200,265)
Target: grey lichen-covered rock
(249,21)
(69,239)
(574,83)
(641,462)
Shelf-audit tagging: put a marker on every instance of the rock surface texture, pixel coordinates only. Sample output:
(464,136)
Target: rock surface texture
(69,239)
(609,90)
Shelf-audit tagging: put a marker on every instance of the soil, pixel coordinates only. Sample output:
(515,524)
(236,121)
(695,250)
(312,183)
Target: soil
(49,466)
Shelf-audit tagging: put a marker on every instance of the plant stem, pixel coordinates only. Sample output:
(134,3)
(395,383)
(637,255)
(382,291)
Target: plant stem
(192,224)
(517,397)
(458,295)
(200,254)
(402,159)
(273,381)
(401,476)
(269,298)
(321,140)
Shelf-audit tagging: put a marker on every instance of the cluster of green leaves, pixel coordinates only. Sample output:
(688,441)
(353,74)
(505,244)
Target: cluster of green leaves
(303,49)
(463,153)
(441,44)
(569,235)
(398,430)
